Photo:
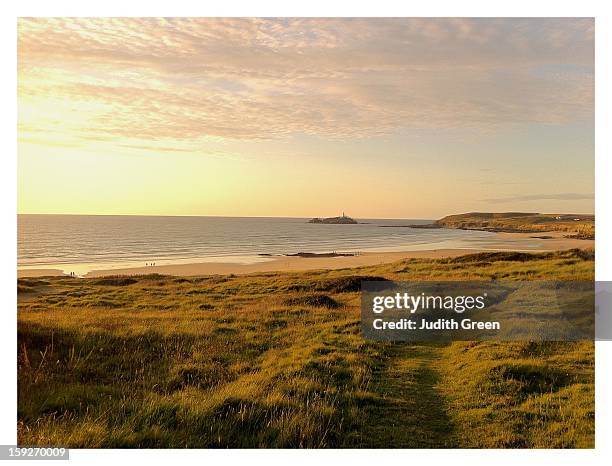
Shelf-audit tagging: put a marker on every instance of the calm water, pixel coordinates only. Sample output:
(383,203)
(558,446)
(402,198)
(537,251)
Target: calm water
(81,242)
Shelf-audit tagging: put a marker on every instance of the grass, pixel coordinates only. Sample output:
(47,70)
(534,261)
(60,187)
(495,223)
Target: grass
(277,360)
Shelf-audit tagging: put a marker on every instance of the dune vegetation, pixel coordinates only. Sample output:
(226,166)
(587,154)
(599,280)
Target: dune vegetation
(277,360)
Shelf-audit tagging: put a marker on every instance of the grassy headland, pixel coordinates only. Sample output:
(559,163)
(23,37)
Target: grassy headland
(579,226)
(277,360)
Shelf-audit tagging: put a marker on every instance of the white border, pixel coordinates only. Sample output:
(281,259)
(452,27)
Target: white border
(588,8)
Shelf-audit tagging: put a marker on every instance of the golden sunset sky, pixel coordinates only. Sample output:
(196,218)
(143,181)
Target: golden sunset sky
(404,118)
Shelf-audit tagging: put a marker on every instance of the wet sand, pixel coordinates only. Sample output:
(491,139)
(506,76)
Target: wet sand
(293,263)
(283,264)
(556,242)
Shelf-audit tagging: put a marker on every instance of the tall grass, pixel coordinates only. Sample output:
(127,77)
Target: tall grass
(277,360)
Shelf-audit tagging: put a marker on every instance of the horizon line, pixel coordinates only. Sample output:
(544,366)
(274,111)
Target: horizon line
(299,217)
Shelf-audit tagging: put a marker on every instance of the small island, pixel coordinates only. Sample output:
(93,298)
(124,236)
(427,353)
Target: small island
(342,220)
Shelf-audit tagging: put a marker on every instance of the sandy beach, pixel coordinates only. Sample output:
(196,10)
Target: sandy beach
(282,264)
(557,241)
(33,273)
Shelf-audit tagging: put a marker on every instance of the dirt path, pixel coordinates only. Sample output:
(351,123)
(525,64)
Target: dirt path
(410,412)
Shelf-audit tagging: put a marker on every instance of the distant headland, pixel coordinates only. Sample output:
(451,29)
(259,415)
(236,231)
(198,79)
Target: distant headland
(342,220)
(578,226)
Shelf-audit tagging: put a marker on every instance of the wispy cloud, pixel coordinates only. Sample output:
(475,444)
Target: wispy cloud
(543,197)
(184,79)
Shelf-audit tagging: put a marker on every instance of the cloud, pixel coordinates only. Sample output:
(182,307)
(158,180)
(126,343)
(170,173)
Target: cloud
(544,197)
(189,78)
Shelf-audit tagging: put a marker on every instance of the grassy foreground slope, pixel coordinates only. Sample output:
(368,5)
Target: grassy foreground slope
(277,360)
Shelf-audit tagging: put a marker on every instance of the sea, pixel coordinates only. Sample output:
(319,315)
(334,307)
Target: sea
(82,243)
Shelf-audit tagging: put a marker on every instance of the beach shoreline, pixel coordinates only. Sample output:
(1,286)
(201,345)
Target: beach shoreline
(557,241)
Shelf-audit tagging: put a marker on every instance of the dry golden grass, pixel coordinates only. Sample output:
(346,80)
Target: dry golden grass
(277,360)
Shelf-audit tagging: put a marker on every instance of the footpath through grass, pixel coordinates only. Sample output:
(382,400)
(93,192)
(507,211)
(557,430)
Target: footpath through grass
(410,411)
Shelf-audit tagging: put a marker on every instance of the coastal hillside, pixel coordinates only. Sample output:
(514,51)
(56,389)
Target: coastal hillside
(580,226)
(276,360)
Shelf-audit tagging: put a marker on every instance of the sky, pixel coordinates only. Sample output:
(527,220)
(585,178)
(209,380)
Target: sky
(379,118)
